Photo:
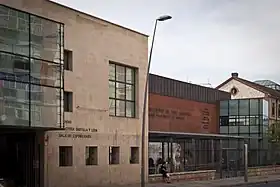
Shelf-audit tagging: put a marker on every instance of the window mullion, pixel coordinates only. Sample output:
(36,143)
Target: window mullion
(125,92)
(115,101)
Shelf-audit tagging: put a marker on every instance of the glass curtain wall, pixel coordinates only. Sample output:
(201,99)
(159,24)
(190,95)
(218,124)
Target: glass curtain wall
(31,70)
(247,118)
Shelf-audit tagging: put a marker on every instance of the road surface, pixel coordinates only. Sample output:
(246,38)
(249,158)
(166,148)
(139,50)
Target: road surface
(269,184)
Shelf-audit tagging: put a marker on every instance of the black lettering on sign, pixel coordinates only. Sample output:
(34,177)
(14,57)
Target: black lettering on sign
(168,114)
(205,118)
(74,136)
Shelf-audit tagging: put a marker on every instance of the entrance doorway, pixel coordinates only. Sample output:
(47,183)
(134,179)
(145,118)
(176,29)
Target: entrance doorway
(17,159)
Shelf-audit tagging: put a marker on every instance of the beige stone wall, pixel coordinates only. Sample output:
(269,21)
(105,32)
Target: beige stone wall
(244,91)
(94,42)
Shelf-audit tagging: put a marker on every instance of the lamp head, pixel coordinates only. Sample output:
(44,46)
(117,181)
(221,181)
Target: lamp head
(164,18)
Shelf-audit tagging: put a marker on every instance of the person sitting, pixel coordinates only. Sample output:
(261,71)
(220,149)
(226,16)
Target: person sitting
(164,172)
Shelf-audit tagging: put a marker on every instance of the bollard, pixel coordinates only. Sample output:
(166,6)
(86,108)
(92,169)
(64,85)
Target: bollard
(245,162)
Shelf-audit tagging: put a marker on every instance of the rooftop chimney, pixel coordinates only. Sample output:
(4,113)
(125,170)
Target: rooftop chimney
(235,74)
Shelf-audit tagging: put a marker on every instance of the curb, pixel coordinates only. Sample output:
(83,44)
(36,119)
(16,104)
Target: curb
(249,183)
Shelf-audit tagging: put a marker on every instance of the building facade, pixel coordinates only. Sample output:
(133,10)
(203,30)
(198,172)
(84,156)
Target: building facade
(253,108)
(244,89)
(176,106)
(183,125)
(81,79)
(247,118)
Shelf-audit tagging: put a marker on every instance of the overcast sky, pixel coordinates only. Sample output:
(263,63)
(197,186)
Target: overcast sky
(206,40)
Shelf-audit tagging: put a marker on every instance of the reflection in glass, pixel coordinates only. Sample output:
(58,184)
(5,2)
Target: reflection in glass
(112,90)
(14,104)
(120,90)
(14,27)
(120,73)
(233,129)
(112,107)
(26,75)
(244,129)
(120,108)
(254,129)
(224,108)
(244,107)
(112,73)
(12,66)
(130,109)
(232,121)
(130,76)
(45,106)
(254,106)
(45,73)
(233,107)
(265,108)
(129,92)
(224,130)
(45,39)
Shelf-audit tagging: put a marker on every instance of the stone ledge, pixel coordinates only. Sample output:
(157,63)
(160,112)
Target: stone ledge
(187,176)
(263,170)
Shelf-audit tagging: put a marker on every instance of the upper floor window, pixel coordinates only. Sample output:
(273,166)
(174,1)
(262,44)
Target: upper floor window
(68,60)
(278,110)
(121,90)
(273,109)
(68,101)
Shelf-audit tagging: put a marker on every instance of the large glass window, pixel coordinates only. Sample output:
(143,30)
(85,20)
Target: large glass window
(14,103)
(45,73)
(14,67)
(45,106)
(244,107)
(233,107)
(224,108)
(14,29)
(254,107)
(45,39)
(31,62)
(121,90)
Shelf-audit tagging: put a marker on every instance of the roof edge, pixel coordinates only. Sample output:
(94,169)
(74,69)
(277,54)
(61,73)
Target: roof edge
(87,14)
(223,83)
(173,79)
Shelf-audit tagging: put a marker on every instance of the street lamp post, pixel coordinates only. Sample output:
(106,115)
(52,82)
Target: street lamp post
(161,18)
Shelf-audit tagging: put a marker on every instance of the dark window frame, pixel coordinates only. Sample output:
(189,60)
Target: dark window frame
(88,151)
(278,110)
(114,155)
(68,59)
(134,155)
(68,101)
(273,109)
(64,152)
(126,83)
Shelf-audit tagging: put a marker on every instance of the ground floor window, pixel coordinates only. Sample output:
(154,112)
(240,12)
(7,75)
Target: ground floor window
(114,155)
(65,156)
(91,155)
(134,155)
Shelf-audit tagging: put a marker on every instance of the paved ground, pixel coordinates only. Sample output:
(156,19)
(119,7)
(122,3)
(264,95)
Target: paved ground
(253,182)
(261,181)
(270,184)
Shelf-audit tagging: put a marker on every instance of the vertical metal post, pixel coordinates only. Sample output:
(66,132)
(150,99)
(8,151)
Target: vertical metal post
(194,154)
(213,153)
(221,158)
(245,162)
(143,135)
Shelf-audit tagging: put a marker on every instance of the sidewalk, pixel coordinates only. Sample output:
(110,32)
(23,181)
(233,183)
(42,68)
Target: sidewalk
(230,182)
(239,181)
